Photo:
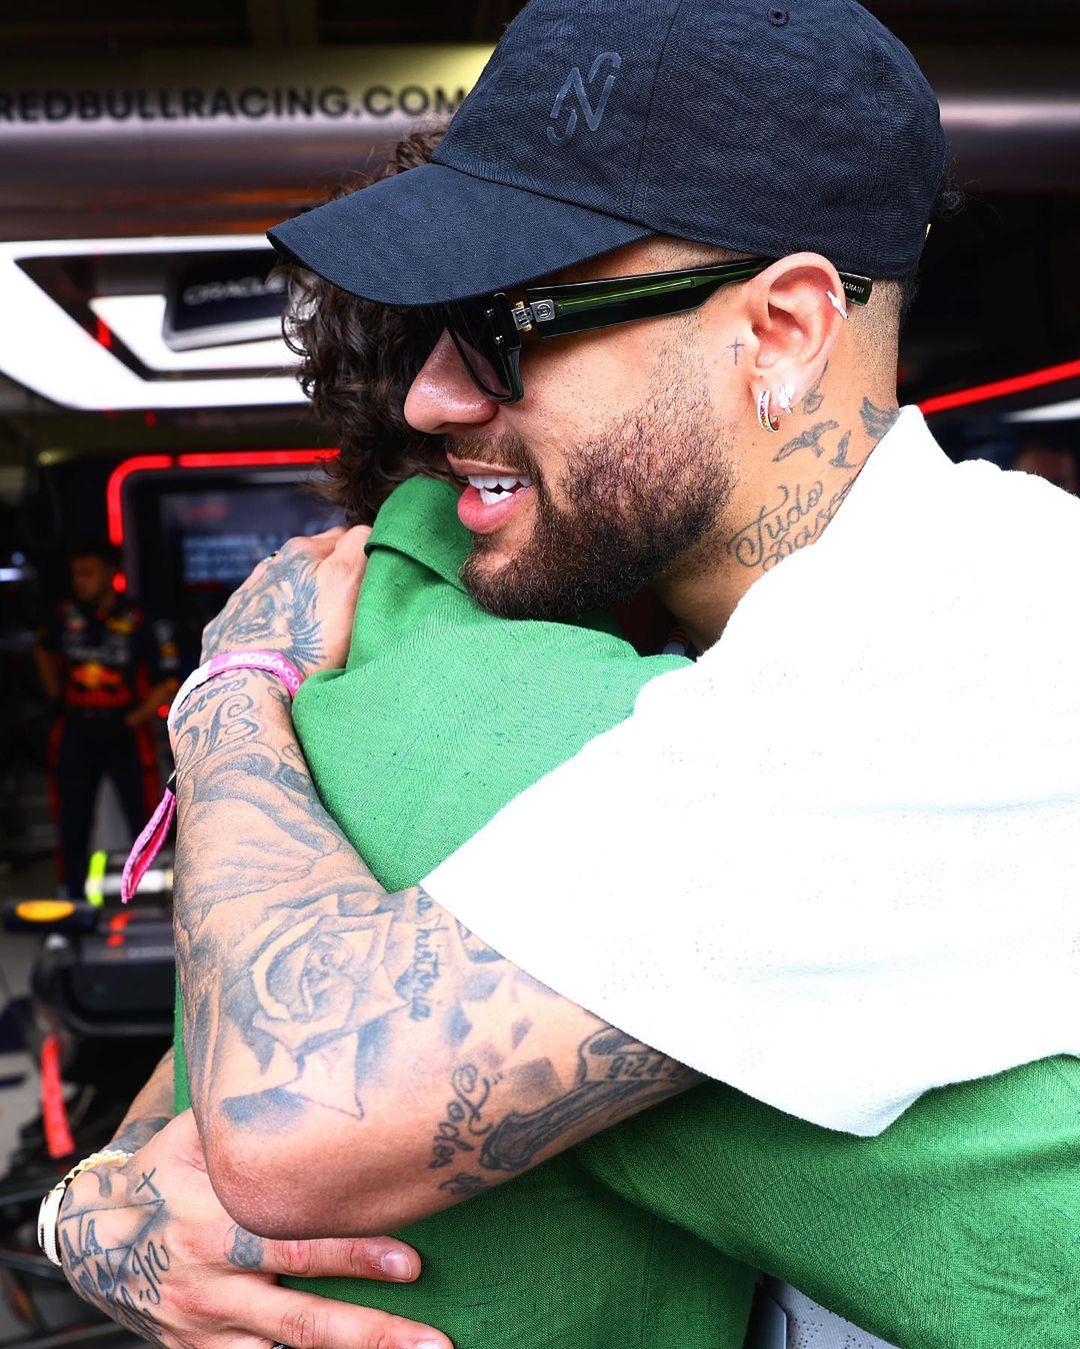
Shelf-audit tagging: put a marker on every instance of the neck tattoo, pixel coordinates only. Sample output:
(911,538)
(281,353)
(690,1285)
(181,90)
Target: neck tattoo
(798,513)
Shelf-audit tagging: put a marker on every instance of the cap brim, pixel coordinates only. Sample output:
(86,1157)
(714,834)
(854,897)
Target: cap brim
(433,234)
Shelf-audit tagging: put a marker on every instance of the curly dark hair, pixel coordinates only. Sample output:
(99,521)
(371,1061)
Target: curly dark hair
(357,360)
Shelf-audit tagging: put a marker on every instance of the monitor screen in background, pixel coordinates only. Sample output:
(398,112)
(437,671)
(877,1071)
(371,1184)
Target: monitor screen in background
(218,536)
(193,536)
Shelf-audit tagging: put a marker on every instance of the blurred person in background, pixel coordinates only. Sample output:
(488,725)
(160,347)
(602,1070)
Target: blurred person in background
(108,669)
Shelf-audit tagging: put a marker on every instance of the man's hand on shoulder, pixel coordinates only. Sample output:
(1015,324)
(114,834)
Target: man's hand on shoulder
(149,1244)
(299,601)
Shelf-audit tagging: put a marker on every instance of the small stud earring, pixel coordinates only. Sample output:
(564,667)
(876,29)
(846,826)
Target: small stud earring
(837,304)
(769,420)
(784,395)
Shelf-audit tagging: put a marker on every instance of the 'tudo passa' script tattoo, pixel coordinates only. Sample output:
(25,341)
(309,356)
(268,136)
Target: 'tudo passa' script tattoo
(798,514)
(310,992)
(782,527)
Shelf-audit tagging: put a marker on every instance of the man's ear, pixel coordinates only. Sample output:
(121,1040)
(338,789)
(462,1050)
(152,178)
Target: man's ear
(795,324)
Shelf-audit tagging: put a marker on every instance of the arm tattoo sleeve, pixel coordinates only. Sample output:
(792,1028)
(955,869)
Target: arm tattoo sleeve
(308,989)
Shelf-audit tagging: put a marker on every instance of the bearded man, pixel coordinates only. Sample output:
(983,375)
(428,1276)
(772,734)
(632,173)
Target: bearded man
(807,865)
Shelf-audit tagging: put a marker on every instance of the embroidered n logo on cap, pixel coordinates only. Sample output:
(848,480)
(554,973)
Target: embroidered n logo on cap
(597,123)
(576,85)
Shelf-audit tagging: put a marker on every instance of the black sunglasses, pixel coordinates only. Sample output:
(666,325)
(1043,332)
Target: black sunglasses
(488,329)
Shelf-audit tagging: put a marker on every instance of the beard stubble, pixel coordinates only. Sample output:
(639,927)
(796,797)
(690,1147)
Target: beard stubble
(641,497)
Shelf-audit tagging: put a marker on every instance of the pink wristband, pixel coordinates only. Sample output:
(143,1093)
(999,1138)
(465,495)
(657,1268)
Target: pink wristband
(147,846)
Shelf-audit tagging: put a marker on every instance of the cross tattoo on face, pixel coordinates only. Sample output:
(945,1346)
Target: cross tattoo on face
(736,347)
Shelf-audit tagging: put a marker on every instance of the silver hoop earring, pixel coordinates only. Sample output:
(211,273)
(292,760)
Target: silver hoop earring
(768,419)
(784,395)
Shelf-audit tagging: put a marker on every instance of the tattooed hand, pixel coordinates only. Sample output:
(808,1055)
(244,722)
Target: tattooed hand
(300,602)
(149,1244)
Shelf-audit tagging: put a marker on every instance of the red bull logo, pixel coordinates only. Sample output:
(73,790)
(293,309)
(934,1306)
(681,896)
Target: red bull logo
(93,684)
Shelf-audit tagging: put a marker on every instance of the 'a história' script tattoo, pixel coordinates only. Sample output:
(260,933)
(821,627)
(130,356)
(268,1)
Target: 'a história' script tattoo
(313,996)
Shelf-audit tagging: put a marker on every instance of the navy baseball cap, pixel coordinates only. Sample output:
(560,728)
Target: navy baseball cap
(766,128)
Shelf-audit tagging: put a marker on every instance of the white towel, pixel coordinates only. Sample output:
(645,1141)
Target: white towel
(836,862)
